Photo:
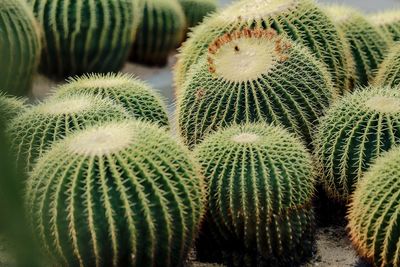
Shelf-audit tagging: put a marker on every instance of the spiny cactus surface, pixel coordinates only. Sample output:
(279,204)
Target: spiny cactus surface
(19,47)
(302,20)
(34,131)
(11,107)
(196,10)
(355,131)
(120,194)
(138,98)
(83,36)
(254,75)
(388,23)
(374,212)
(368,46)
(261,183)
(160,32)
(389,71)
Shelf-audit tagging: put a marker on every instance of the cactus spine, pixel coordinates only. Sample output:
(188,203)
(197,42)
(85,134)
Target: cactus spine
(19,47)
(261,184)
(10,107)
(389,23)
(134,95)
(374,212)
(85,35)
(36,129)
(160,32)
(302,20)
(120,194)
(389,73)
(254,75)
(355,131)
(196,10)
(368,46)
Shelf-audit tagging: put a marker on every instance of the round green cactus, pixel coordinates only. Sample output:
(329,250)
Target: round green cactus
(160,32)
(302,20)
(368,46)
(254,75)
(355,131)
(84,36)
(19,47)
(389,23)
(36,129)
(374,212)
(118,194)
(196,10)
(261,183)
(389,72)
(11,107)
(134,95)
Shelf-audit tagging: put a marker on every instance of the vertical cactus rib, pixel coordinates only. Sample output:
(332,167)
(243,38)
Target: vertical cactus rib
(388,73)
(196,10)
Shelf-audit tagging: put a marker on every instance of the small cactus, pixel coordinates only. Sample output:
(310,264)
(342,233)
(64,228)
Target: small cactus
(19,47)
(261,183)
(355,131)
(368,46)
(33,131)
(160,32)
(134,95)
(196,10)
(302,20)
(389,72)
(254,75)
(118,194)
(10,107)
(389,23)
(85,35)
(374,212)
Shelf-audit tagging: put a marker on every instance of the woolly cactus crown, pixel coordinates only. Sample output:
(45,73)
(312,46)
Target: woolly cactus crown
(388,22)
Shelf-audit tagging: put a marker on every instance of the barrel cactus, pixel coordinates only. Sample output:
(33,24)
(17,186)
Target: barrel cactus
(389,72)
(389,23)
(136,96)
(374,212)
(368,46)
(36,129)
(86,36)
(19,47)
(261,183)
(196,10)
(254,75)
(160,32)
(302,20)
(11,107)
(355,131)
(118,194)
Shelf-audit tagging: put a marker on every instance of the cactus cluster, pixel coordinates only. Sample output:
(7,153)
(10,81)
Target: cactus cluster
(254,75)
(118,194)
(388,23)
(86,36)
(134,95)
(302,20)
(389,72)
(161,31)
(368,46)
(197,10)
(374,212)
(19,47)
(354,132)
(261,183)
(34,131)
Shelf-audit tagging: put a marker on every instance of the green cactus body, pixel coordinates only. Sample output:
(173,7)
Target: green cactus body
(302,20)
(160,32)
(34,131)
(134,95)
(368,46)
(11,107)
(261,183)
(254,75)
(374,212)
(196,10)
(84,36)
(355,131)
(119,194)
(389,72)
(389,23)
(19,47)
